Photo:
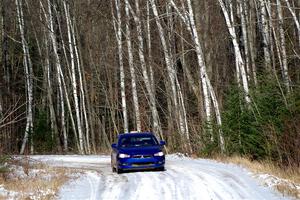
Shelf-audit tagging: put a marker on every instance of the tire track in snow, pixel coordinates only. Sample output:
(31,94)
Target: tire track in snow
(184,179)
(215,183)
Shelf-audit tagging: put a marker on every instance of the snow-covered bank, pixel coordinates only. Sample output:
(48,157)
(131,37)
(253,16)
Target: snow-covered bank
(185,178)
(74,161)
(32,180)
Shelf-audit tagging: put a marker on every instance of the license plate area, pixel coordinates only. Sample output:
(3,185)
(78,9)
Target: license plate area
(142,164)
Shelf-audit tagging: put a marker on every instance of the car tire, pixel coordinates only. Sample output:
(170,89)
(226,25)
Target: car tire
(161,169)
(119,171)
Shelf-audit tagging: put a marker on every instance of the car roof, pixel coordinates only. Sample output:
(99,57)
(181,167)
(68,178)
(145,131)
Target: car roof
(135,134)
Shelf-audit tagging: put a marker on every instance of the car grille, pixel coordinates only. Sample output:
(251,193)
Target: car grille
(142,156)
(142,164)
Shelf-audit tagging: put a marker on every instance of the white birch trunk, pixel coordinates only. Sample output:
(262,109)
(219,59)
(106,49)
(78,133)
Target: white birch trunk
(237,65)
(276,41)
(188,19)
(238,56)
(61,74)
(183,120)
(118,30)
(265,34)
(251,41)
(190,79)
(82,93)
(181,112)
(218,114)
(203,74)
(271,41)
(294,18)
(146,79)
(28,76)
(70,109)
(74,81)
(170,68)
(284,69)
(53,121)
(149,48)
(155,116)
(50,92)
(243,11)
(168,60)
(58,68)
(132,70)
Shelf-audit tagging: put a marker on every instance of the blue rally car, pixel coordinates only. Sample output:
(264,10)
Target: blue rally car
(137,151)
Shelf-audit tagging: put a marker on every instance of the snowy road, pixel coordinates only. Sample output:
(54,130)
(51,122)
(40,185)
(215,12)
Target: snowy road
(183,179)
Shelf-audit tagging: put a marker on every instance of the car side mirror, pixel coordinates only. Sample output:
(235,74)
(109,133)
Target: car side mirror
(114,145)
(162,143)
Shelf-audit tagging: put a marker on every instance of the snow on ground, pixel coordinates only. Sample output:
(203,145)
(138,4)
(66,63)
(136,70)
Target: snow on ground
(273,181)
(19,174)
(7,193)
(184,178)
(23,181)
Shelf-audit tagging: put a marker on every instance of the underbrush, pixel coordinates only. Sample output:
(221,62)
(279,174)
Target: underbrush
(25,180)
(285,180)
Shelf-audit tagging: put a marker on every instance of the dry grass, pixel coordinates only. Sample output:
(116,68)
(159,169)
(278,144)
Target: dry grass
(2,197)
(290,176)
(38,180)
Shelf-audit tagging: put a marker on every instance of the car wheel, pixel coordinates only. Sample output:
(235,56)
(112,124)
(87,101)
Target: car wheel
(161,169)
(119,171)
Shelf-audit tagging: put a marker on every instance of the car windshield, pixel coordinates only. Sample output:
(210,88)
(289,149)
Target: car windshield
(138,141)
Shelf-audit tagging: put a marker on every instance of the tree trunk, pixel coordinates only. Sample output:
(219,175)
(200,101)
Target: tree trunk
(74,81)
(294,18)
(284,69)
(132,70)
(118,31)
(265,34)
(238,56)
(148,83)
(58,68)
(29,78)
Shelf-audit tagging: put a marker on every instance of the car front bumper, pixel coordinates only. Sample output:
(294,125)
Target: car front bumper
(154,162)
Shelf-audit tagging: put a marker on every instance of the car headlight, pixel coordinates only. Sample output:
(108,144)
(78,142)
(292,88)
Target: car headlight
(123,155)
(159,153)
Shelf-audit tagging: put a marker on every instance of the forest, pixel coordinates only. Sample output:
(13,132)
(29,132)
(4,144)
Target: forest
(210,77)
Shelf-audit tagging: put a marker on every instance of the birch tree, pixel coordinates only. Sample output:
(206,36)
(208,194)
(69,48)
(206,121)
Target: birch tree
(208,91)
(132,70)
(84,117)
(170,69)
(53,120)
(148,82)
(283,47)
(65,89)
(49,20)
(243,14)
(175,88)
(265,33)
(251,37)
(240,66)
(74,80)
(296,20)
(203,74)
(28,76)
(118,32)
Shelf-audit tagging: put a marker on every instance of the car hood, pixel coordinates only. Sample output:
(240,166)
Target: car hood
(140,150)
